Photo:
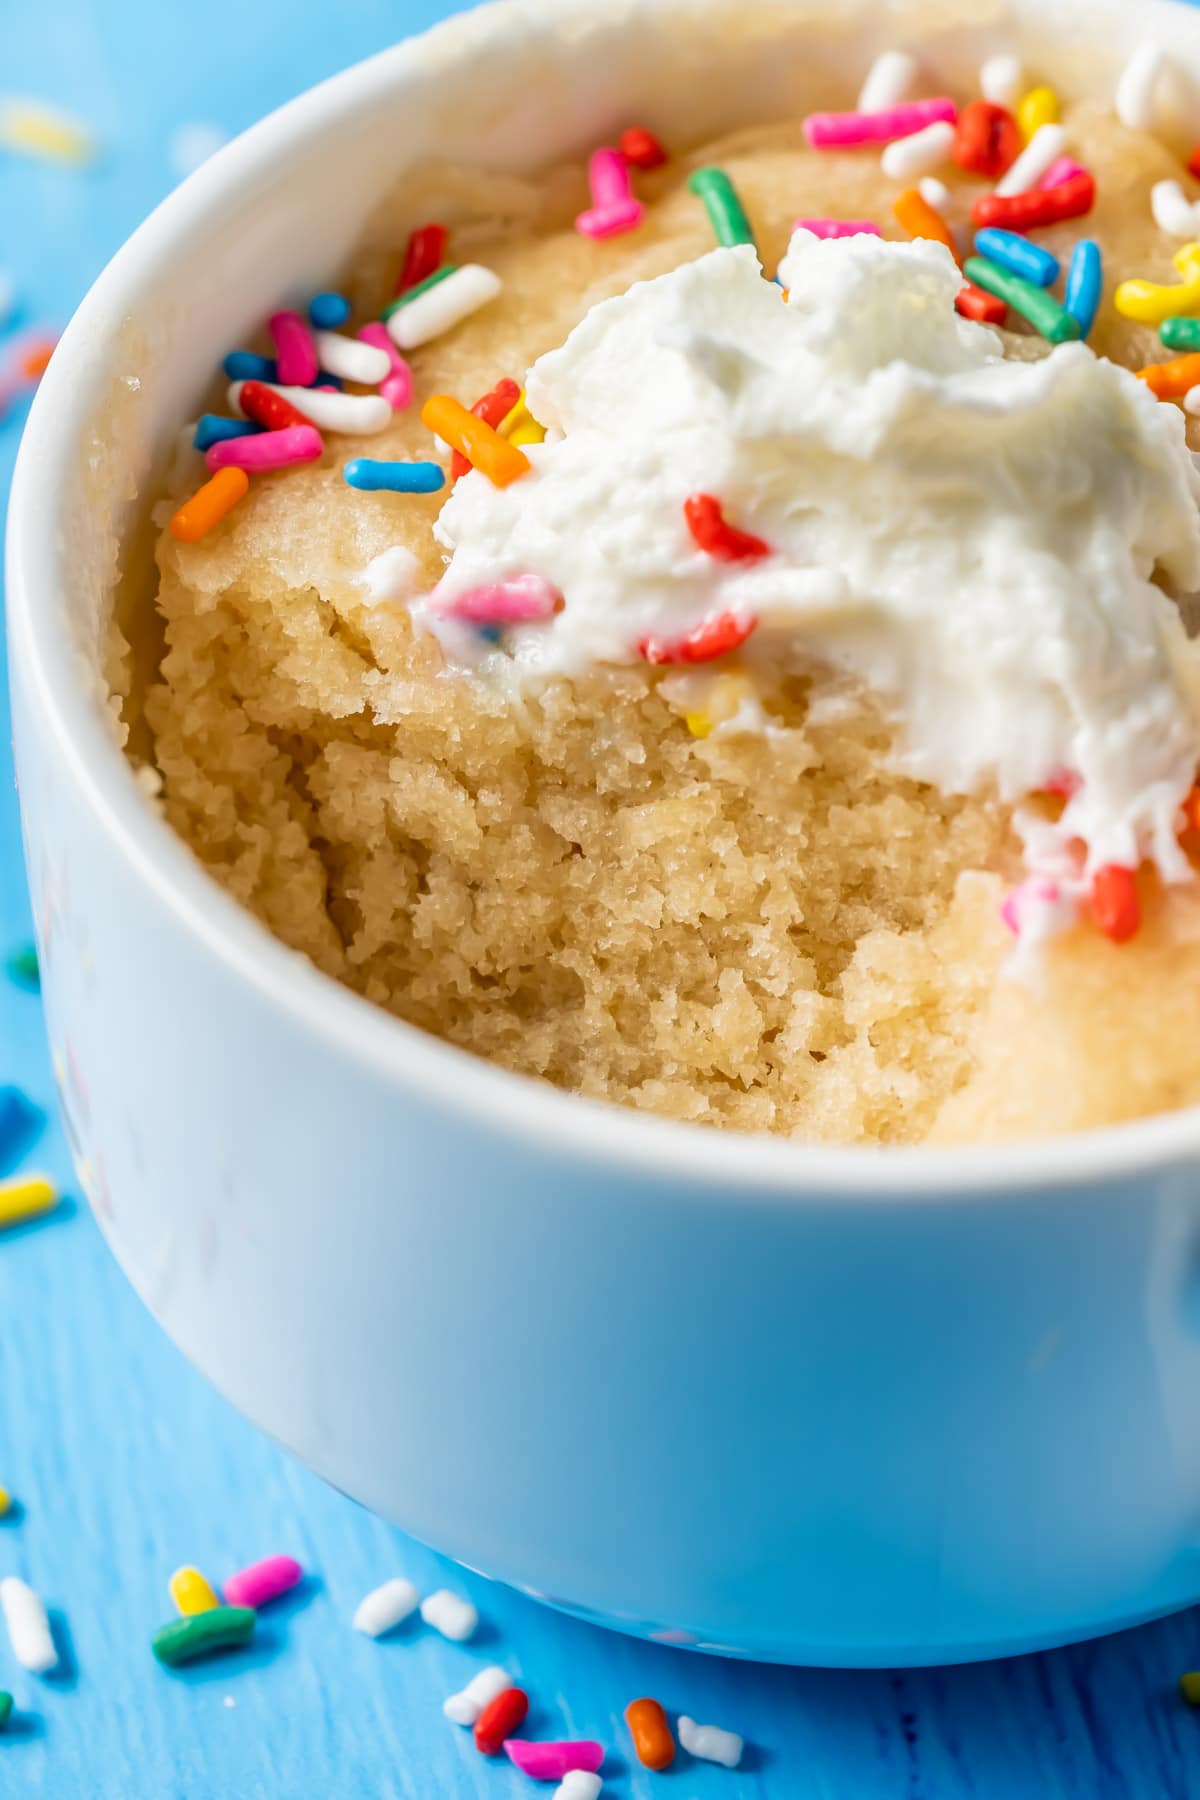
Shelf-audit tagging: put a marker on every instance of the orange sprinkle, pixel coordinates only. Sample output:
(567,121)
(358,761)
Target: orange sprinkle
(651,1734)
(1171,380)
(34,359)
(209,504)
(1191,811)
(1115,904)
(915,215)
(483,447)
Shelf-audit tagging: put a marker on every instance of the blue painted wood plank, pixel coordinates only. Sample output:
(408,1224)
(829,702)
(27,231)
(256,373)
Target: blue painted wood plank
(125,1463)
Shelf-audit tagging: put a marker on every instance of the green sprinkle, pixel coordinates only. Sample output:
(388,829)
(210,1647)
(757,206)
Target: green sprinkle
(1042,310)
(1189,1687)
(220,1628)
(22,967)
(6,1706)
(726,214)
(1180,334)
(422,287)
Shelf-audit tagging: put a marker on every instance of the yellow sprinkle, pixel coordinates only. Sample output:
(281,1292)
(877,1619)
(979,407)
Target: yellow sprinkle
(191,1593)
(25,1199)
(1150,302)
(5,1501)
(519,425)
(37,130)
(699,724)
(1039,107)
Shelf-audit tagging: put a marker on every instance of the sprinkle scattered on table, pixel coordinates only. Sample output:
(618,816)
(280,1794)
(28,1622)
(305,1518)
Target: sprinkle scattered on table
(35,128)
(26,1197)
(28,1626)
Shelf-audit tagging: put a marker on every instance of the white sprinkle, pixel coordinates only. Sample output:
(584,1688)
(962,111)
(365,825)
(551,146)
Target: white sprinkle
(386,1606)
(28,1626)
(1191,402)
(889,80)
(1001,79)
(710,1743)
(356,415)
(352,359)
(1137,87)
(934,193)
(1173,212)
(446,1612)
(578,1784)
(465,1707)
(192,145)
(453,299)
(918,153)
(1044,147)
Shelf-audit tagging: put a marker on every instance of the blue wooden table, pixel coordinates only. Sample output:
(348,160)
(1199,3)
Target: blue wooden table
(126,1464)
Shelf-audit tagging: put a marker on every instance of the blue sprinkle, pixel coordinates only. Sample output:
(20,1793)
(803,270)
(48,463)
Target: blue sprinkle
(20,1121)
(1016,254)
(211,429)
(396,477)
(491,634)
(245,365)
(325,379)
(328,311)
(1085,279)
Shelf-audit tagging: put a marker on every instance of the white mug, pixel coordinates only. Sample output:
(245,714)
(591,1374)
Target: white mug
(809,1404)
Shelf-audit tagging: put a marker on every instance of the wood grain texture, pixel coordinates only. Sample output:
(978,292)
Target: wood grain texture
(125,1463)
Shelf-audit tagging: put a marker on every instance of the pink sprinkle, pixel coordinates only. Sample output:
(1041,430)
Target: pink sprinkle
(613,207)
(512,602)
(838,228)
(1035,890)
(550,1762)
(269,450)
(1063,168)
(264,1580)
(396,388)
(295,351)
(832,131)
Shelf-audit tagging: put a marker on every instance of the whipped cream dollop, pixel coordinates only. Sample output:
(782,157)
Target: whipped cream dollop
(984,543)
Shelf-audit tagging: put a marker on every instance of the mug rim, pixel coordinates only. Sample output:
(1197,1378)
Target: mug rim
(721,1163)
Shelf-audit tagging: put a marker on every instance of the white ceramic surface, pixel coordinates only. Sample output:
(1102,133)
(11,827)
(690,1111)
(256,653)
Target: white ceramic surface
(814,1405)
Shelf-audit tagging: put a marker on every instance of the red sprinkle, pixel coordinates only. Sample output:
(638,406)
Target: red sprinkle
(1041,206)
(499,1720)
(423,254)
(706,522)
(641,148)
(716,637)
(1115,905)
(1193,162)
(986,140)
(494,406)
(974,303)
(268,408)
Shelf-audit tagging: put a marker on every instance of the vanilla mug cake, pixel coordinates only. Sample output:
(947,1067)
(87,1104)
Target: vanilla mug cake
(710,629)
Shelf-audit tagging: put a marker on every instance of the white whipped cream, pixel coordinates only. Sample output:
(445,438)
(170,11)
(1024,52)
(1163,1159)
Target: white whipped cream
(973,538)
